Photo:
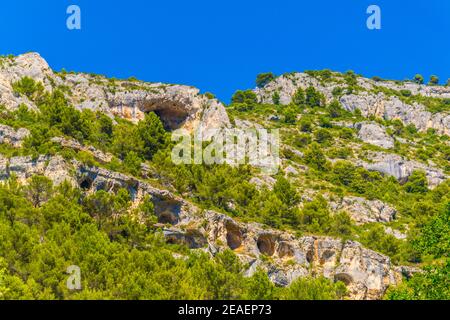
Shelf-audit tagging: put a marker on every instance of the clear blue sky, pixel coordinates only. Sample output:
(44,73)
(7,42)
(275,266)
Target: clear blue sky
(220,46)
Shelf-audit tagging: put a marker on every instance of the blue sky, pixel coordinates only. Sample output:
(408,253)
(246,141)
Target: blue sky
(220,46)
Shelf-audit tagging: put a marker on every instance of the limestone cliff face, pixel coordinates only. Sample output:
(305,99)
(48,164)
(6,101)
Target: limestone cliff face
(284,256)
(366,273)
(368,102)
(178,106)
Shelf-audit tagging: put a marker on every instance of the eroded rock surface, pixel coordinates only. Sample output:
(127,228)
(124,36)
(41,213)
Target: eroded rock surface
(178,106)
(368,102)
(375,134)
(364,211)
(366,273)
(401,168)
(13,137)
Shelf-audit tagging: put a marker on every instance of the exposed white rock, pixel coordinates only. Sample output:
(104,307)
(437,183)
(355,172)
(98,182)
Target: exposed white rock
(368,103)
(10,136)
(290,170)
(178,106)
(366,273)
(74,144)
(401,168)
(364,211)
(392,108)
(263,181)
(55,168)
(375,134)
(396,233)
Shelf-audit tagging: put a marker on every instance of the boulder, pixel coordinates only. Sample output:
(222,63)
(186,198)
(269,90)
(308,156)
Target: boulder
(374,134)
(12,137)
(364,211)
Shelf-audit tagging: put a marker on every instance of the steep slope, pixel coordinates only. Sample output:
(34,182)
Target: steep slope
(177,106)
(332,198)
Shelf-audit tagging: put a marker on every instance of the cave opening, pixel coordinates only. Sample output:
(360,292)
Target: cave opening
(86,183)
(285,250)
(172,115)
(234,236)
(266,245)
(167,211)
(343,277)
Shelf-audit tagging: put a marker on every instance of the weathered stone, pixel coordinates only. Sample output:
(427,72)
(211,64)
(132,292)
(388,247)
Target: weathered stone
(12,137)
(375,134)
(364,211)
(401,168)
(75,145)
(368,103)
(178,106)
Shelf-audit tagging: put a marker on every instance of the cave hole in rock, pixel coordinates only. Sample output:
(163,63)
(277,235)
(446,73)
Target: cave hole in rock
(310,255)
(343,277)
(172,115)
(193,239)
(86,183)
(102,185)
(326,255)
(234,236)
(167,211)
(266,244)
(285,250)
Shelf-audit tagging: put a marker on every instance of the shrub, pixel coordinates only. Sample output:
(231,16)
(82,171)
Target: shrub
(299,97)
(315,157)
(306,124)
(434,80)
(276,98)
(323,136)
(263,79)
(418,78)
(314,98)
(417,182)
(29,88)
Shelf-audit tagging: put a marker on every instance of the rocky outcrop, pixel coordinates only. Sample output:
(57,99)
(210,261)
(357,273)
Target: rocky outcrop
(392,108)
(178,106)
(364,211)
(23,168)
(13,137)
(401,168)
(369,103)
(396,233)
(375,134)
(14,69)
(75,145)
(366,273)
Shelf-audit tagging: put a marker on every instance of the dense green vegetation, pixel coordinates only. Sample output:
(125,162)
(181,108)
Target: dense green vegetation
(119,257)
(310,130)
(46,229)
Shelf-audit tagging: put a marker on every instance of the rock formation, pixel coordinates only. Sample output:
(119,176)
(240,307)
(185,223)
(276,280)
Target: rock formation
(366,273)
(178,106)
(364,211)
(401,168)
(367,101)
(13,137)
(374,134)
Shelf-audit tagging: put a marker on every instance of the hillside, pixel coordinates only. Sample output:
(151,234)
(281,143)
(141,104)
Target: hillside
(358,210)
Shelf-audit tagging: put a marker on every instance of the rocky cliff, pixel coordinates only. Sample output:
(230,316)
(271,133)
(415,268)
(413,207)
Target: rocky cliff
(369,100)
(284,255)
(366,273)
(178,106)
